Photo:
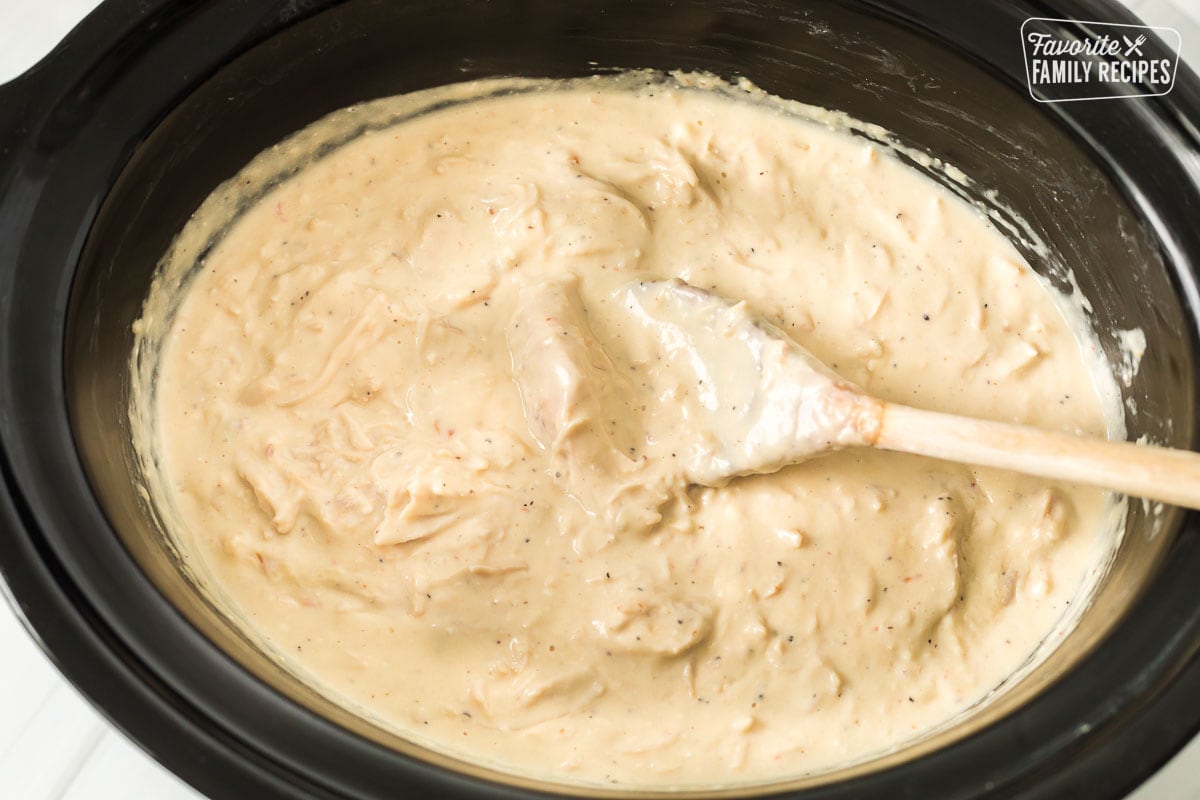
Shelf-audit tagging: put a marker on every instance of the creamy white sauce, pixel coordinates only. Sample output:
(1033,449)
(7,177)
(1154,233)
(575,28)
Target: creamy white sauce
(367,450)
(1132,345)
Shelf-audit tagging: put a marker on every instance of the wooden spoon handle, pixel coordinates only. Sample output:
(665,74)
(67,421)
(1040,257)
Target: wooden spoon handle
(1159,473)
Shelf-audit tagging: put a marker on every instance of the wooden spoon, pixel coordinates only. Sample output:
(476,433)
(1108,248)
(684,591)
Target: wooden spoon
(769,403)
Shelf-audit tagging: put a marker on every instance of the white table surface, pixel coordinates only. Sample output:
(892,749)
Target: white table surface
(53,745)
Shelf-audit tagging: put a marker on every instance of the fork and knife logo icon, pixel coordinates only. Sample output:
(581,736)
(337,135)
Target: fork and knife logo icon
(1132,47)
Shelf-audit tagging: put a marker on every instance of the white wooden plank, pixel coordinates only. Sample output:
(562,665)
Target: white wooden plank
(52,747)
(117,762)
(24,666)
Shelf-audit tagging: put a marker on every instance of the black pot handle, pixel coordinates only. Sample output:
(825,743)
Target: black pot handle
(18,94)
(14,112)
(25,99)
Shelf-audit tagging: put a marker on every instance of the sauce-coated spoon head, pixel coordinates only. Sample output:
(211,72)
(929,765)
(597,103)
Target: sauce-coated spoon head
(765,402)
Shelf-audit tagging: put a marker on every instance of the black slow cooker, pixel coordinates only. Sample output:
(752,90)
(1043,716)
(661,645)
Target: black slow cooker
(109,144)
